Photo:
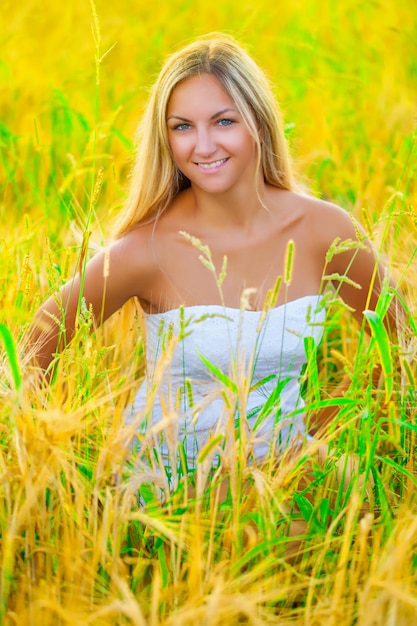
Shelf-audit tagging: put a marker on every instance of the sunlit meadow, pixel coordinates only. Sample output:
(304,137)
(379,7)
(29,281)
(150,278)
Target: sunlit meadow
(85,536)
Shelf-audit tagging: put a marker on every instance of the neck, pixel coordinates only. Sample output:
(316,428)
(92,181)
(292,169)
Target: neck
(236,208)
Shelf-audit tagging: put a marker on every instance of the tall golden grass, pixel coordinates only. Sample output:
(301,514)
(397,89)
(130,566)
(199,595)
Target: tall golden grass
(85,537)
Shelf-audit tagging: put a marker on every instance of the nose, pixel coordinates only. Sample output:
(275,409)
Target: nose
(205,144)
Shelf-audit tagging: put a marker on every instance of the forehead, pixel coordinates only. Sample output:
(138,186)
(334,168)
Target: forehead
(199,94)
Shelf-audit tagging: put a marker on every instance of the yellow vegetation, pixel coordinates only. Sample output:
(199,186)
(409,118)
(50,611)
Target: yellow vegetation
(84,535)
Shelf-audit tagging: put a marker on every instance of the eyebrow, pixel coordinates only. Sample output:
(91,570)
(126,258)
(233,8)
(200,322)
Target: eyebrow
(184,119)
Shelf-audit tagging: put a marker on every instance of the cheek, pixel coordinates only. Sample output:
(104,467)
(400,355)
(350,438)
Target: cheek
(247,147)
(174,150)
(179,147)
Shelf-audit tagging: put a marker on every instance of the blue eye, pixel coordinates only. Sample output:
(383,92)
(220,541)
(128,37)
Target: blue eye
(224,122)
(182,126)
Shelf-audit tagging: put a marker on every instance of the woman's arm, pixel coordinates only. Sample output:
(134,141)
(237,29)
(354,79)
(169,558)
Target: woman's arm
(105,283)
(354,267)
(359,277)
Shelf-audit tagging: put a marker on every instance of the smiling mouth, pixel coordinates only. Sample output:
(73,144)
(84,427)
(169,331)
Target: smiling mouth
(209,166)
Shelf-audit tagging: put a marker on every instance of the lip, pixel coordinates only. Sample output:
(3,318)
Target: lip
(212,166)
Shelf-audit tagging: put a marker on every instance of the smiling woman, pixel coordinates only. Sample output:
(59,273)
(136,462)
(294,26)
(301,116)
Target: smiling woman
(213,183)
(213,151)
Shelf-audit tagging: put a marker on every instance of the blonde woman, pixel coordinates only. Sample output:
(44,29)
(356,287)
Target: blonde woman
(203,245)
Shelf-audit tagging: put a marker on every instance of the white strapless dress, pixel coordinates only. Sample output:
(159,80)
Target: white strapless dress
(224,373)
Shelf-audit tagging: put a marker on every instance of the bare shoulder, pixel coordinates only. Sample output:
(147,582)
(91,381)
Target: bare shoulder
(324,220)
(134,246)
(132,256)
(328,216)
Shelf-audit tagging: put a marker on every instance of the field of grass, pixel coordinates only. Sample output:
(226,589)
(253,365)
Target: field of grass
(84,537)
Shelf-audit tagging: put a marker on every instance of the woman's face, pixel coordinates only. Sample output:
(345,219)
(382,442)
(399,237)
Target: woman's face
(209,140)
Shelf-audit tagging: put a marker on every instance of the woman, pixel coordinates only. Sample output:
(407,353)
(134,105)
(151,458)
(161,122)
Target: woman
(227,260)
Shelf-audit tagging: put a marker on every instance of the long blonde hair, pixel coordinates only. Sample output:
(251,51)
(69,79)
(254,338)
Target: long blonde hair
(155,178)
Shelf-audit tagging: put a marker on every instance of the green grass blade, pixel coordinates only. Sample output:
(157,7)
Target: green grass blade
(11,355)
(272,402)
(312,367)
(221,376)
(380,335)
(398,468)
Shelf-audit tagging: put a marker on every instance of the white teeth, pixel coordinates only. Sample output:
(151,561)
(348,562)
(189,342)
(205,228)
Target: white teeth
(208,166)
